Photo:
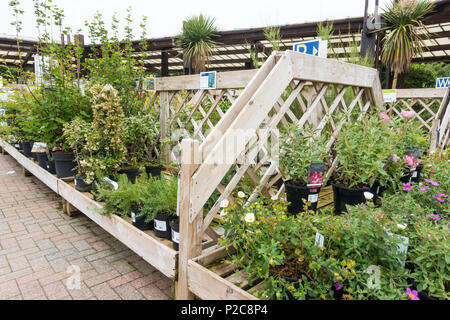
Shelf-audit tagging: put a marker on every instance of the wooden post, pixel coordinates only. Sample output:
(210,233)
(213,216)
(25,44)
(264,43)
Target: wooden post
(164,125)
(190,232)
(164,63)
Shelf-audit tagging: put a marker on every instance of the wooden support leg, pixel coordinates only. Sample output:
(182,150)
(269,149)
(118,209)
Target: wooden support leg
(25,172)
(68,208)
(190,231)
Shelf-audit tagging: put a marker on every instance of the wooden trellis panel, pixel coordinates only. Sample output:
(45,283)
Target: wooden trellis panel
(188,111)
(294,89)
(424,102)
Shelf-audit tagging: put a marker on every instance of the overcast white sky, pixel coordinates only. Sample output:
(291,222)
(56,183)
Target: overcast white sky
(165,16)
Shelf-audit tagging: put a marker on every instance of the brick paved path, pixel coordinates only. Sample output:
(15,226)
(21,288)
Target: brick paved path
(39,243)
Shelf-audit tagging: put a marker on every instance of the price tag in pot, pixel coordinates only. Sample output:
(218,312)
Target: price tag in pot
(133,216)
(160,225)
(414,174)
(313,198)
(113,183)
(319,240)
(175,236)
(315,174)
(39,147)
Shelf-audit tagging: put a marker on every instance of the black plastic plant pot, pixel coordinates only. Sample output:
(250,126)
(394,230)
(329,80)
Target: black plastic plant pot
(278,183)
(65,164)
(295,195)
(35,156)
(413,176)
(81,185)
(50,166)
(162,226)
(139,222)
(26,147)
(131,174)
(42,159)
(377,190)
(347,196)
(175,231)
(154,171)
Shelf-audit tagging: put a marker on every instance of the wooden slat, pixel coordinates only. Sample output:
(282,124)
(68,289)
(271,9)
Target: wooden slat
(150,249)
(47,178)
(225,80)
(209,286)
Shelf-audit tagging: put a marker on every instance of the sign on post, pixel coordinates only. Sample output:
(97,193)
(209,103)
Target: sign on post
(208,80)
(316,48)
(443,82)
(390,95)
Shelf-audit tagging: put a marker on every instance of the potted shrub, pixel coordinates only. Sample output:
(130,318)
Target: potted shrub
(302,156)
(160,205)
(75,134)
(312,256)
(363,148)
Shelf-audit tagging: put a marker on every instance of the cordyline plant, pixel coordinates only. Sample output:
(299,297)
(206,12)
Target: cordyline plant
(405,33)
(300,147)
(283,250)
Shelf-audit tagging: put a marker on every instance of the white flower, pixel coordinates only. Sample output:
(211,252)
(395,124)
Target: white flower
(368,195)
(275,197)
(402,226)
(223,213)
(249,217)
(224,203)
(241,194)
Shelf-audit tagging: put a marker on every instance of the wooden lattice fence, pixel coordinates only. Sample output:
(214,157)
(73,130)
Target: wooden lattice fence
(290,88)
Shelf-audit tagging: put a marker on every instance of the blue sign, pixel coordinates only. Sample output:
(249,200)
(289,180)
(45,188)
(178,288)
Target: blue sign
(443,82)
(316,48)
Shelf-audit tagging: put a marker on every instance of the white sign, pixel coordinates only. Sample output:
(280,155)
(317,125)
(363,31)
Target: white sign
(208,80)
(313,197)
(318,48)
(160,225)
(390,95)
(175,236)
(319,240)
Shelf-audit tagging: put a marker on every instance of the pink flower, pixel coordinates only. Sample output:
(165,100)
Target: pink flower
(384,116)
(412,294)
(432,170)
(412,161)
(335,135)
(440,197)
(435,217)
(423,189)
(407,114)
(407,186)
(395,158)
(434,183)
(363,207)
(337,285)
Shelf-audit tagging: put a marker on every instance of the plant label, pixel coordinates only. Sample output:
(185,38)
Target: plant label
(315,174)
(313,198)
(389,95)
(16,145)
(414,174)
(402,247)
(113,183)
(74,181)
(160,225)
(319,240)
(133,216)
(175,236)
(39,147)
(208,80)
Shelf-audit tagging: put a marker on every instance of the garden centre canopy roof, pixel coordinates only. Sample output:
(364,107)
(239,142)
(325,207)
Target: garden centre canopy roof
(233,52)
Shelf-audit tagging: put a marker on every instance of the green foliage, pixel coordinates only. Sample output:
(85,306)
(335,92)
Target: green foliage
(150,194)
(272,244)
(424,75)
(197,41)
(403,40)
(299,148)
(272,34)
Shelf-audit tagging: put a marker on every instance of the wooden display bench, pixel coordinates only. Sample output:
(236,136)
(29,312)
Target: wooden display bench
(212,278)
(156,251)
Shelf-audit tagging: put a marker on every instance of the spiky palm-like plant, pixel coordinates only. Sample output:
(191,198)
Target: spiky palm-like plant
(403,39)
(197,40)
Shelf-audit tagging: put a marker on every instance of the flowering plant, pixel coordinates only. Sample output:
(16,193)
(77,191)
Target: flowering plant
(299,148)
(287,252)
